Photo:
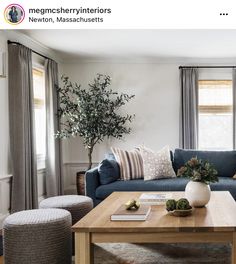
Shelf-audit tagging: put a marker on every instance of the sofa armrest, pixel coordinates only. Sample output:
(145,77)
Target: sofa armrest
(91,183)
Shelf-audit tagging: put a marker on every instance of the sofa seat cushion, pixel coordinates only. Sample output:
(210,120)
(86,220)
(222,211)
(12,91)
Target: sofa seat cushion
(223,161)
(172,184)
(225,184)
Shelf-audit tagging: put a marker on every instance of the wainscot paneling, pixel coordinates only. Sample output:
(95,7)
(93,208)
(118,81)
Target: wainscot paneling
(41,184)
(5,187)
(69,173)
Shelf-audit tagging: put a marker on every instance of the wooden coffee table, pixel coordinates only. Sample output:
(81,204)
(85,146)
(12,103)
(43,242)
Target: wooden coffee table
(215,223)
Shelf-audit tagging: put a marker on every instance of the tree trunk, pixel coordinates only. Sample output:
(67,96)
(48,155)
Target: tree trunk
(90,151)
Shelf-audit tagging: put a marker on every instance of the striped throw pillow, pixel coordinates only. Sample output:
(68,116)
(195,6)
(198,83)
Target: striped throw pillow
(131,163)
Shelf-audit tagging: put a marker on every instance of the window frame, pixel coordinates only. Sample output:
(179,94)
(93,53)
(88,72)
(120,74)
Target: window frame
(41,159)
(215,109)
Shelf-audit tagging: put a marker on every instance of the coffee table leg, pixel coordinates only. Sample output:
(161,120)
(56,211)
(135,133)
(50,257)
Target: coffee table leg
(234,249)
(83,248)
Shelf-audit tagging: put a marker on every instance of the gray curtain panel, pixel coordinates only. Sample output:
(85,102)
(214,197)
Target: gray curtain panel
(22,134)
(234,106)
(189,108)
(54,181)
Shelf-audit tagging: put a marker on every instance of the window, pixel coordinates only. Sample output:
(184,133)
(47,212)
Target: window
(215,114)
(40,113)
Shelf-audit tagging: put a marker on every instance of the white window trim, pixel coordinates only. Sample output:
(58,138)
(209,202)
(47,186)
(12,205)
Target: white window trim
(41,159)
(214,109)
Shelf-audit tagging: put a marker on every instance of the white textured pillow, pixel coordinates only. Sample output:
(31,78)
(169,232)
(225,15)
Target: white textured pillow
(157,165)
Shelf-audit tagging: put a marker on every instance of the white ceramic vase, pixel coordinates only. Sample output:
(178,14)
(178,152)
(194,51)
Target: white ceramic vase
(197,193)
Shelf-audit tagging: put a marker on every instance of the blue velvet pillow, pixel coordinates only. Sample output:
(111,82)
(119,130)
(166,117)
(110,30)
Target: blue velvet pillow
(109,171)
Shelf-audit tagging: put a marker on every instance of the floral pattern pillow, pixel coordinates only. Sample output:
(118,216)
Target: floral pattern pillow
(157,165)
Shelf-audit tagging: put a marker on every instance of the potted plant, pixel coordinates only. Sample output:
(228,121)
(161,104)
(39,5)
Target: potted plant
(92,113)
(201,173)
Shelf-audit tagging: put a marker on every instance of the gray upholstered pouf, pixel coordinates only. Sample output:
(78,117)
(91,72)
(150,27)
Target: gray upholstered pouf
(37,237)
(77,205)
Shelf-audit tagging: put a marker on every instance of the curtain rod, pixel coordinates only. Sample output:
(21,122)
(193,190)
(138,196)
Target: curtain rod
(206,67)
(17,43)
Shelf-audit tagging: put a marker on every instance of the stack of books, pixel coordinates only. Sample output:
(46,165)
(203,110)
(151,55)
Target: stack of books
(154,198)
(122,214)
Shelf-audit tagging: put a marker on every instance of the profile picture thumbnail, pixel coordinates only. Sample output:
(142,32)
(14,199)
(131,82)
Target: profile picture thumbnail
(14,14)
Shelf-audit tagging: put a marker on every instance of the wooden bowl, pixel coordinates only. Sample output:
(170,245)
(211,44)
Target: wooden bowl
(181,212)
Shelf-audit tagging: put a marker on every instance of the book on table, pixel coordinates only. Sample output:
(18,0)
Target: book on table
(121,214)
(154,198)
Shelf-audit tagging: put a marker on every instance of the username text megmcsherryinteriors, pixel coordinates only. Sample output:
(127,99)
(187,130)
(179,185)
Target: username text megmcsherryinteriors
(67,15)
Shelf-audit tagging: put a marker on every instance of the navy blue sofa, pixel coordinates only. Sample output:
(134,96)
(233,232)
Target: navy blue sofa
(224,162)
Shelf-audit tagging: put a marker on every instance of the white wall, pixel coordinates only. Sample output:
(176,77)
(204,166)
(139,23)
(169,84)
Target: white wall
(4,131)
(156,106)
(4,141)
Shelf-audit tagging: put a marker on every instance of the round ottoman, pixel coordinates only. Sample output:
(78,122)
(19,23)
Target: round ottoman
(77,205)
(37,237)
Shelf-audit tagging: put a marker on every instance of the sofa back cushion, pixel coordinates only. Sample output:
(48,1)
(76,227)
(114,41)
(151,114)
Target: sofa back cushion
(223,161)
(109,171)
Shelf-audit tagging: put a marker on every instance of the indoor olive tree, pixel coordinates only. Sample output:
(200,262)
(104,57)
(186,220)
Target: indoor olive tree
(92,113)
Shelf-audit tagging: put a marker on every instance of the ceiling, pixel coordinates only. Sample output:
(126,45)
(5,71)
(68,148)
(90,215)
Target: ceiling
(137,44)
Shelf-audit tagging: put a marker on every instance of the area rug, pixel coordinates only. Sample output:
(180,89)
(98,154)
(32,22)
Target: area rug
(162,253)
(1,249)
